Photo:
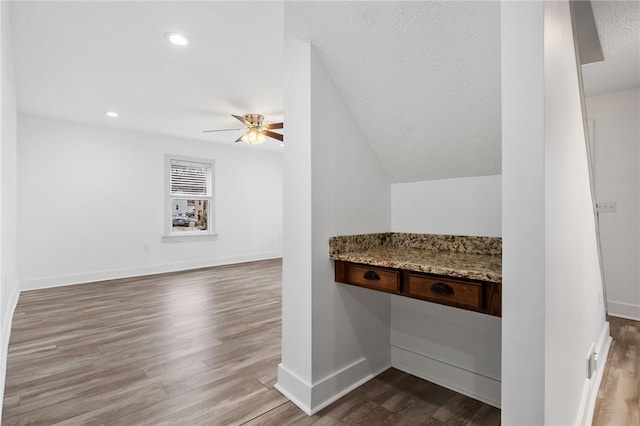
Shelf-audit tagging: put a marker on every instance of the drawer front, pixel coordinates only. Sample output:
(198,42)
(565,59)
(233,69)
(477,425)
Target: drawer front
(372,277)
(449,292)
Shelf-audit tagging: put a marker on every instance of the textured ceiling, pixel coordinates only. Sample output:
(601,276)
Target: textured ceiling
(618,24)
(422,80)
(76,60)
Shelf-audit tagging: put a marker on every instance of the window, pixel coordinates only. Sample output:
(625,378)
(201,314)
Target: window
(189,197)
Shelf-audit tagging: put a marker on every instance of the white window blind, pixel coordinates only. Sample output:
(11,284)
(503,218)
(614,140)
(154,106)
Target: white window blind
(190,178)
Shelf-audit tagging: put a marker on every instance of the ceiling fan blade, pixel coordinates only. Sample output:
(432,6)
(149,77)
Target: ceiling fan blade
(219,130)
(242,119)
(274,126)
(239,139)
(274,135)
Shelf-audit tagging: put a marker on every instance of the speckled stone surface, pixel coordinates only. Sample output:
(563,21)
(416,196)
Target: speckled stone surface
(478,258)
(455,243)
(362,242)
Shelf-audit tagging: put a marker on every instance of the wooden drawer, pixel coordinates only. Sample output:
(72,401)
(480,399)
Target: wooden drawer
(447,291)
(368,276)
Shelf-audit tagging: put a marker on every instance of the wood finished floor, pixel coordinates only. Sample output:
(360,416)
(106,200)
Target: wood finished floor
(618,401)
(188,348)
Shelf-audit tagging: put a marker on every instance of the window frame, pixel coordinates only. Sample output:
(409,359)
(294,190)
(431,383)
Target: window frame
(171,236)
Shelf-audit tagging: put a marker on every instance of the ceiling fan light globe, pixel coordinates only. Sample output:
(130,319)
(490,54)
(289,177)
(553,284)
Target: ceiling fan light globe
(253,137)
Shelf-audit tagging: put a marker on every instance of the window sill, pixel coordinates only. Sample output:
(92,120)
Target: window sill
(183,238)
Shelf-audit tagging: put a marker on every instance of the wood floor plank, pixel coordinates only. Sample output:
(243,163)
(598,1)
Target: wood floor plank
(366,414)
(618,400)
(457,410)
(118,408)
(175,409)
(285,414)
(187,348)
(486,416)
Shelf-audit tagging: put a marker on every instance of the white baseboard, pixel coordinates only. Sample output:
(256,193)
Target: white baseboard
(313,398)
(82,278)
(340,383)
(591,386)
(294,388)
(7,320)
(624,310)
(469,383)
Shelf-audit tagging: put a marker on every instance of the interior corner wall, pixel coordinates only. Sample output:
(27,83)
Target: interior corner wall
(616,138)
(8,208)
(92,204)
(463,352)
(574,317)
(523,213)
(334,185)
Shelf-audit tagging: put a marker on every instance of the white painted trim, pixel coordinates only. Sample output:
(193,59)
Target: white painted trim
(83,278)
(474,385)
(591,386)
(294,388)
(211,216)
(7,320)
(624,310)
(313,398)
(189,237)
(340,383)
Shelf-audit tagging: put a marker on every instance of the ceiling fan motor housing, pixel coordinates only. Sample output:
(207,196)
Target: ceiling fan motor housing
(254,119)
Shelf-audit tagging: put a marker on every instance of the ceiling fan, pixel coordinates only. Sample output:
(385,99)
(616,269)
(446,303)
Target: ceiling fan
(256,132)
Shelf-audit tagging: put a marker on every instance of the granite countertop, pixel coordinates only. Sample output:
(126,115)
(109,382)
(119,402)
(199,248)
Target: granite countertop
(478,258)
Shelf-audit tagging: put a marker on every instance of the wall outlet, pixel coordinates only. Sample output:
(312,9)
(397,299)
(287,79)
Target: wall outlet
(606,206)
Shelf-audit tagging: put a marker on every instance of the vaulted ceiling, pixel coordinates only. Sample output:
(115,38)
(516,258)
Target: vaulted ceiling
(422,79)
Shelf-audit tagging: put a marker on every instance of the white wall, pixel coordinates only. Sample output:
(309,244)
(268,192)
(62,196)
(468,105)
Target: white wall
(523,242)
(573,299)
(463,351)
(463,206)
(452,347)
(350,195)
(295,370)
(335,337)
(92,204)
(552,302)
(8,208)
(616,136)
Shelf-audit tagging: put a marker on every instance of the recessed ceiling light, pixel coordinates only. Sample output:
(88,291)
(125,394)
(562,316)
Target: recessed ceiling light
(112,114)
(177,39)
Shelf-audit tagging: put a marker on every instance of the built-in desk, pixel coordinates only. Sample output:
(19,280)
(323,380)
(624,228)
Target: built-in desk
(460,271)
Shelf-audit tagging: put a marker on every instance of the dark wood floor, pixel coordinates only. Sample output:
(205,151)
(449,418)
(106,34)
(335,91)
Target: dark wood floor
(618,402)
(189,348)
